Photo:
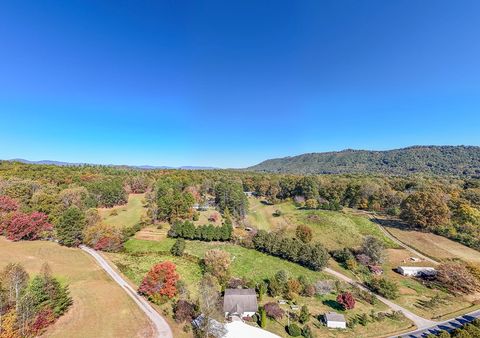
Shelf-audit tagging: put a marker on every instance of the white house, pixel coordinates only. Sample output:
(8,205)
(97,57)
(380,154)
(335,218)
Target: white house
(335,320)
(416,271)
(238,329)
(240,302)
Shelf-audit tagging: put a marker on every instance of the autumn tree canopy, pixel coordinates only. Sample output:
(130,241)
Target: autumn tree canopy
(160,282)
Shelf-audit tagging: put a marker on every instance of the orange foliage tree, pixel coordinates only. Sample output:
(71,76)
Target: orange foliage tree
(160,282)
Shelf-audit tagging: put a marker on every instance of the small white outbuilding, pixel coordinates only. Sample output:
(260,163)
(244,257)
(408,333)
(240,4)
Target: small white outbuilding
(335,320)
(416,271)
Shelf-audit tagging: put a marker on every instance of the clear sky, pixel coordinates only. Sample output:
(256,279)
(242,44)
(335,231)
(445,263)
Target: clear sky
(231,83)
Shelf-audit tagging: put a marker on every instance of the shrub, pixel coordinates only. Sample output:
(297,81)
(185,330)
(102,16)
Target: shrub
(277,213)
(384,287)
(307,332)
(273,310)
(346,300)
(304,315)
(294,330)
(8,204)
(178,247)
(184,311)
(304,233)
(104,237)
(263,318)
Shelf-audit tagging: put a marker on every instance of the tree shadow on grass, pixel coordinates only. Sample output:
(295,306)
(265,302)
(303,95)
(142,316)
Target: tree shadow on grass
(333,304)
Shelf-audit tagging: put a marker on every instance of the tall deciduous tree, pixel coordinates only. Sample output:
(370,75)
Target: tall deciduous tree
(26,226)
(217,262)
(425,209)
(160,282)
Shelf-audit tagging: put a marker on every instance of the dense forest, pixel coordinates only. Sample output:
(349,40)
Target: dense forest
(60,202)
(438,160)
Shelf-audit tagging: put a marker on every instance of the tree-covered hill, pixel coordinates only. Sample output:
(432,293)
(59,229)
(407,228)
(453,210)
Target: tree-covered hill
(439,160)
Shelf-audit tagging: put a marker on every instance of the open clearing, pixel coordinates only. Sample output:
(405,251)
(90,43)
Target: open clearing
(100,307)
(334,229)
(247,263)
(124,215)
(434,246)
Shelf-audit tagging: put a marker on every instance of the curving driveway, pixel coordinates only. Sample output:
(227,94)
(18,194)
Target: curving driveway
(161,326)
(420,322)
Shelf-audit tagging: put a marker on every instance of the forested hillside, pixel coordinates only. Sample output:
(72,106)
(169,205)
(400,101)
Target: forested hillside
(438,160)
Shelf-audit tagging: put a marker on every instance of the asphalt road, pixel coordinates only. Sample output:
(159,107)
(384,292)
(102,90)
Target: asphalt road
(161,326)
(448,325)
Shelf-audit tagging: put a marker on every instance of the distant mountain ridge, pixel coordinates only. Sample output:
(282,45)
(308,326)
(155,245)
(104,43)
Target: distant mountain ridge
(437,160)
(74,164)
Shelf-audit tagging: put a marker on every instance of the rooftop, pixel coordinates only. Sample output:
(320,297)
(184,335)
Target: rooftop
(334,317)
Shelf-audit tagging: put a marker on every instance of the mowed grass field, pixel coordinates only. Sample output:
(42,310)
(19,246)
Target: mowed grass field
(334,229)
(100,307)
(246,263)
(434,246)
(124,215)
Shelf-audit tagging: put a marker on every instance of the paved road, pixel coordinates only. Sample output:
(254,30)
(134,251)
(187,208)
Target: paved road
(448,325)
(161,326)
(420,322)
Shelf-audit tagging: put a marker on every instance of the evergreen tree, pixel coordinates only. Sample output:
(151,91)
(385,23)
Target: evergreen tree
(70,227)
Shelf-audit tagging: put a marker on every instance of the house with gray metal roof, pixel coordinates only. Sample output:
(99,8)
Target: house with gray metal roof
(240,303)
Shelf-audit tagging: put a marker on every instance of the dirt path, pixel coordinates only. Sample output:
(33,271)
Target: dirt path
(403,245)
(162,327)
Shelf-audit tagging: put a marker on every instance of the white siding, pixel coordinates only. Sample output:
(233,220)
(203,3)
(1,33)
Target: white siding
(336,325)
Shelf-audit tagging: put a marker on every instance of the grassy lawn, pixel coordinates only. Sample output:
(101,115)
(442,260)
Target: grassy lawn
(205,214)
(247,263)
(135,267)
(100,307)
(436,247)
(334,229)
(124,215)
(321,304)
(413,292)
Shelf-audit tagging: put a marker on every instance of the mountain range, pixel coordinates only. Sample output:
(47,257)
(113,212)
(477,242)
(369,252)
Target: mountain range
(437,160)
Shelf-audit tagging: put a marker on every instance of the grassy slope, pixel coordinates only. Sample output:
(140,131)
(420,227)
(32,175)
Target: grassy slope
(437,247)
(334,229)
(127,215)
(100,309)
(247,263)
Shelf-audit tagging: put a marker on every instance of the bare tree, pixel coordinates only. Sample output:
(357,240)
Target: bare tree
(14,278)
(209,299)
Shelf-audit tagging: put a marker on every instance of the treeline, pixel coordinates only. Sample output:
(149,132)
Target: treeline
(207,232)
(440,160)
(29,305)
(311,255)
(445,205)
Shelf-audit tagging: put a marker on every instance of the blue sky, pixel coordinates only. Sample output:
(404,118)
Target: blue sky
(231,83)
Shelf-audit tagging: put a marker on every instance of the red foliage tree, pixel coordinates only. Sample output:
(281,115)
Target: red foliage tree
(7,204)
(273,310)
(42,320)
(159,282)
(26,226)
(346,300)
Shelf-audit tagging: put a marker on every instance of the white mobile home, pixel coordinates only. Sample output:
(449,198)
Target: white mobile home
(416,271)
